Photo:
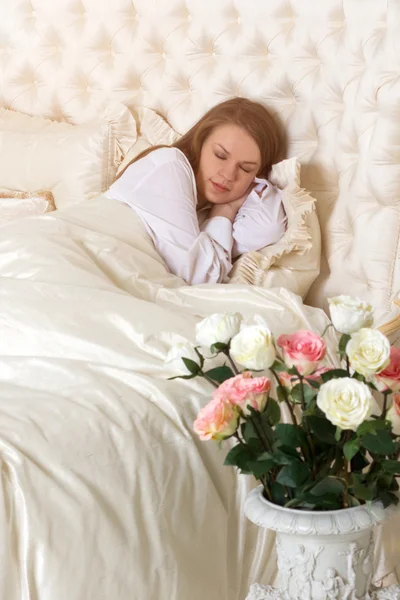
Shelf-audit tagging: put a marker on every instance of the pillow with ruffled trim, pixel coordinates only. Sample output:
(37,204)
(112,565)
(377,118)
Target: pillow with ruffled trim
(74,162)
(294,261)
(153,131)
(16,204)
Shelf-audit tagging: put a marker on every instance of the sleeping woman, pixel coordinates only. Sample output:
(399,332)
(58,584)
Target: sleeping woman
(206,199)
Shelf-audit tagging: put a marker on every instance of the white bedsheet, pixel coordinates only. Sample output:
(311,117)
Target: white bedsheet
(106,493)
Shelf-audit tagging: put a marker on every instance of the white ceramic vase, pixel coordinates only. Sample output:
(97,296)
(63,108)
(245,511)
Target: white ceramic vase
(321,555)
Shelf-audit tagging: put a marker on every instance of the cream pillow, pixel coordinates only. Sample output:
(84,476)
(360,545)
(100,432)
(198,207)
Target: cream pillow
(16,205)
(74,162)
(294,261)
(154,131)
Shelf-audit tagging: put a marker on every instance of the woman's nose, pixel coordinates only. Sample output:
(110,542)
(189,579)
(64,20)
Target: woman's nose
(228,171)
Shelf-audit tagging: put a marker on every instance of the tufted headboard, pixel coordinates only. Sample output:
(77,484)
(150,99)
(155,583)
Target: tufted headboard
(330,69)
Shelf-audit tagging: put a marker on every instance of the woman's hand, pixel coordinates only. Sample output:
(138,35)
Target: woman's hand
(230,209)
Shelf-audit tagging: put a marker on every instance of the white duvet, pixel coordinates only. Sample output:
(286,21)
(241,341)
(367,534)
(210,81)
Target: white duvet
(106,492)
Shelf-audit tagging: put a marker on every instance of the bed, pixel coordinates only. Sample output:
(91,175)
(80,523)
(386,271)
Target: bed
(105,490)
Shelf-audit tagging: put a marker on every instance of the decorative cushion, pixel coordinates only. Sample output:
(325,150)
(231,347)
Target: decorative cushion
(15,204)
(74,162)
(294,261)
(153,131)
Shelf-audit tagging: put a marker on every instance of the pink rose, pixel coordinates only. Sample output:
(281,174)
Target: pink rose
(317,374)
(291,380)
(393,414)
(389,378)
(245,390)
(303,350)
(286,380)
(218,420)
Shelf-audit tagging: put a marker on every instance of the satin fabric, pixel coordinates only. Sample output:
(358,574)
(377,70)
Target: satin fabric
(106,492)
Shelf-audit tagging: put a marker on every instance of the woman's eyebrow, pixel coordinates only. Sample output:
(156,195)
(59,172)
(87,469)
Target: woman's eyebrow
(245,162)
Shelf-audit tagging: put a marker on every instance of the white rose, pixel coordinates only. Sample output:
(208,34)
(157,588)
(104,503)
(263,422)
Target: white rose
(219,327)
(368,351)
(393,414)
(346,402)
(253,347)
(175,355)
(350,314)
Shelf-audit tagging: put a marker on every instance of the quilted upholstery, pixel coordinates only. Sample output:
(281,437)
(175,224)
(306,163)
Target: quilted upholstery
(331,69)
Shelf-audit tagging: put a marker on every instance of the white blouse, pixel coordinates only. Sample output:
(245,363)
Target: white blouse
(161,188)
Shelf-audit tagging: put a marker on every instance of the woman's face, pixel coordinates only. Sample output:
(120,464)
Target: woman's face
(230,159)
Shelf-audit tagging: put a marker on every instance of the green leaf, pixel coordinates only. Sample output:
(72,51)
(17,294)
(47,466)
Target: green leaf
(322,429)
(272,412)
(359,489)
(293,371)
(391,466)
(248,431)
(262,465)
(220,374)
(334,374)
(351,448)
(379,443)
(313,383)
(201,357)
(308,393)
(328,485)
(283,457)
(388,498)
(360,377)
(265,456)
(255,446)
(290,435)
(326,502)
(281,394)
(371,427)
(384,480)
(278,494)
(345,338)
(359,462)
(218,347)
(191,366)
(239,456)
(182,377)
(352,501)
(278,366)
(294,474)
(295,394)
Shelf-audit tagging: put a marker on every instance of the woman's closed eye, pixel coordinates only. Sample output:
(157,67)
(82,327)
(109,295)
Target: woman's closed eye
(224,158)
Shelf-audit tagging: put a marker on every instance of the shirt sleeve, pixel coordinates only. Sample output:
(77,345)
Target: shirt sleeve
(260,222)
(166,201)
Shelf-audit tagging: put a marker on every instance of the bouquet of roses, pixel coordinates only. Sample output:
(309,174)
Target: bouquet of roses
(338,447)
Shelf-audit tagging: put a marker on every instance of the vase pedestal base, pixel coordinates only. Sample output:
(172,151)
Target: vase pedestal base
(267,592)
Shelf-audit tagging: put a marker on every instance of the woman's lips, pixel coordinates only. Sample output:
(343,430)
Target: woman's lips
(219,188)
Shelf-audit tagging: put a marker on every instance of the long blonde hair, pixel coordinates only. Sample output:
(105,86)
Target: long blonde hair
(251,116)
